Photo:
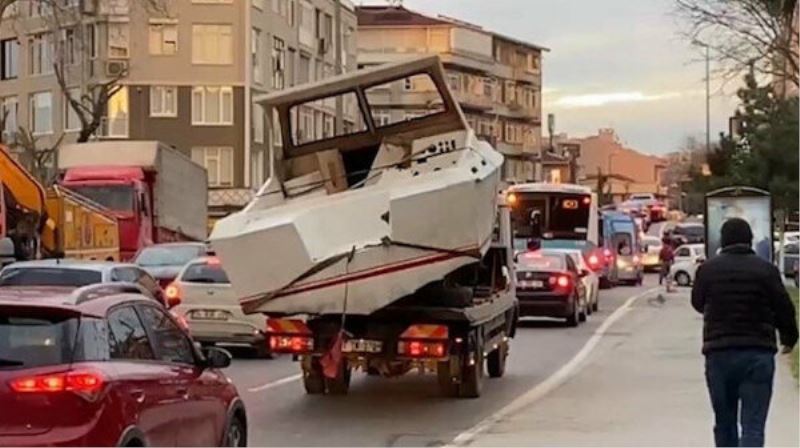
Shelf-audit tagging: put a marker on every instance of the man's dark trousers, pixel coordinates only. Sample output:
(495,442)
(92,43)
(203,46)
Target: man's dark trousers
(737,376)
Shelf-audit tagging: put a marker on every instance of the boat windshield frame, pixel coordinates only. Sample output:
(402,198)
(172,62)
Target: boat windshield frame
(450,119)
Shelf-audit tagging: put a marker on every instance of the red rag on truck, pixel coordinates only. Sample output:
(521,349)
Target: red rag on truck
(332,360)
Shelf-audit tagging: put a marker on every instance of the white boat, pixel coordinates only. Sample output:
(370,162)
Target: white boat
(354,222)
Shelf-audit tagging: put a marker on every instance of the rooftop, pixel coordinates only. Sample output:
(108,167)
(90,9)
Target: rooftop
(377,15)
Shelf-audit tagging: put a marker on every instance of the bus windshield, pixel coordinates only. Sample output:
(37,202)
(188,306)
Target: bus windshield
(551,215)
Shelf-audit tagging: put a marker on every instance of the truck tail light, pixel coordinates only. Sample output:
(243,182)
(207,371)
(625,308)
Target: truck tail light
(289,336)
(424,341)
(85,383)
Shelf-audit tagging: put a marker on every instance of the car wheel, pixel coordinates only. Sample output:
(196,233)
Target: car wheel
(261,350)
(596,302)
(341,384)
(313,379)
(584,313)
(574,318)
(682,279)
(496,362)
(236,433)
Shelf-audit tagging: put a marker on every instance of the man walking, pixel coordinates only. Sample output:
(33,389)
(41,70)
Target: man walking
(743,302)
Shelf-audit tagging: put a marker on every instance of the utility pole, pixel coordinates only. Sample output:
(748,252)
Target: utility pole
(339,119)
(708,100)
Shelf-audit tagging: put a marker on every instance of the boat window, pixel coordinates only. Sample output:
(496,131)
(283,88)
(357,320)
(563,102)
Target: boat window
(314,120)
(404,99)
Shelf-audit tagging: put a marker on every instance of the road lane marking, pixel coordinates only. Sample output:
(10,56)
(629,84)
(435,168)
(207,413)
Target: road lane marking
(553,381)
(276,383)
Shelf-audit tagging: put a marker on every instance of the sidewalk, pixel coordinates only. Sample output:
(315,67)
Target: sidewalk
(642,386)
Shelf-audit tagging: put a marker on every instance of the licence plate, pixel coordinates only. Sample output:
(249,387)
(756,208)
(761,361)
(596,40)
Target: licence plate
(531,284)
(210,315)
(362,346)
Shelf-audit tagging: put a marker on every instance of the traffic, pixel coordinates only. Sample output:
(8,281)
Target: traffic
(348,263)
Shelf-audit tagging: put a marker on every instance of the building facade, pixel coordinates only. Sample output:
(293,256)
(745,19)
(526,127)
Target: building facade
(496,79)
(192,69)
(625,171)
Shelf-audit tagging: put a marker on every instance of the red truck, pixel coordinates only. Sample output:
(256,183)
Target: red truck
(156,193)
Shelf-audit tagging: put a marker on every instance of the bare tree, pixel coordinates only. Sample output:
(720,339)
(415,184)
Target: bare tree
(37,157)
(741,34)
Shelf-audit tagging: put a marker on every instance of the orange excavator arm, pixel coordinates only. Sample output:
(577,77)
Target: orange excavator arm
(26,191)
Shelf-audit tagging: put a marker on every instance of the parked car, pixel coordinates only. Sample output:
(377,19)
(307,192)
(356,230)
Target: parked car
(651,248)
(103,365)
(590,278)
(789,257)
(688,233)
(687,259)
(549,285)
(211,309)
(77,273)
(164,261)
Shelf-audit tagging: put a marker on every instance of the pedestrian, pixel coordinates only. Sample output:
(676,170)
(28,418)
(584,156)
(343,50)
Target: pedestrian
(666,256)
(743,302)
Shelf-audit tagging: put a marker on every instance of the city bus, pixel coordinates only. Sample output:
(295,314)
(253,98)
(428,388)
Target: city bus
(556,216)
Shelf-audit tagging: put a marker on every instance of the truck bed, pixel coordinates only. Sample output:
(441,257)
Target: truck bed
(483,311)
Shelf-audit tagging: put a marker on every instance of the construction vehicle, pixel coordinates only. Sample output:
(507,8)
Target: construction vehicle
(38,223)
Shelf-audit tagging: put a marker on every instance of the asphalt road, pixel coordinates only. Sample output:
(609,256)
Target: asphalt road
(405,411)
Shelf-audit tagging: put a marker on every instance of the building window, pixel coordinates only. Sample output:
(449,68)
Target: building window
(69,42)
(71,121)
(40,54)
(303,70)
(258,123)
(9,108)
(163,101)
(532,62)
(41,112)
(381,118)
(91,31)
(212,106)
(218,162)
(117,114)
(212,44)
(278,63)
(163,39)
(255,55)
(454,82)
(9,59)
(290,13)
(118,40)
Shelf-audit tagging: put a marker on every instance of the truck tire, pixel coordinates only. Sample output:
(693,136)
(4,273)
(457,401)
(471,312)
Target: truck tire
(313,379)
(341,384)
(496,362)
(447,386)
(472,374)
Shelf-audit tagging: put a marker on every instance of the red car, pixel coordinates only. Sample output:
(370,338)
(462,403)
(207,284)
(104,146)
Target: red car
(104,365)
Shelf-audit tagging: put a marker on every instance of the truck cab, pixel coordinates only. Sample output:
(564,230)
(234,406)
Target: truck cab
(125,192)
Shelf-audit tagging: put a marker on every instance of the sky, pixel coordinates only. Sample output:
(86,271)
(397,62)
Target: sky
(612,63)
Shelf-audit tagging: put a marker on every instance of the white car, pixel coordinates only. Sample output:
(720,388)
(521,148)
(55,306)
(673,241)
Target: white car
(591,281)
(687,259)
(210,308)
(651,251)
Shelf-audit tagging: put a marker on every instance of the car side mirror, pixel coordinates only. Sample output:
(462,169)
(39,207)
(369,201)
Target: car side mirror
(216,358)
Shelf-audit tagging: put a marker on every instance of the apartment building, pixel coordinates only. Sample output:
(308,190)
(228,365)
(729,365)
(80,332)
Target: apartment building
(496,79)
(192,70)
(628,171)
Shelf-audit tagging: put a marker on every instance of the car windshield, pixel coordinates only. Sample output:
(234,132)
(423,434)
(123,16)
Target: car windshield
(205,273)
(166,255)
(31,338)
(532,261)
(115,197)
(49,276)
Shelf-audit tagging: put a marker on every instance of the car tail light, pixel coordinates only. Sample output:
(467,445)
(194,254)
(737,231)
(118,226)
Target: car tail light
(561,281)
(173,295)
(289,336)
(84,383)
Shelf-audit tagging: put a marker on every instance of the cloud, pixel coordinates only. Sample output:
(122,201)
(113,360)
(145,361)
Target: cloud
(603,99)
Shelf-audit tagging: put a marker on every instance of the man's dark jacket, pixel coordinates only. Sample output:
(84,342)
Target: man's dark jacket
(743,301)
